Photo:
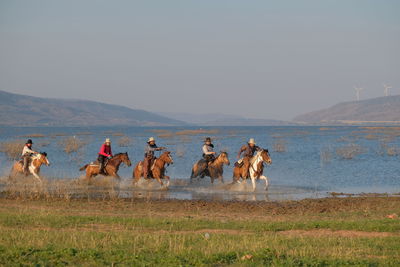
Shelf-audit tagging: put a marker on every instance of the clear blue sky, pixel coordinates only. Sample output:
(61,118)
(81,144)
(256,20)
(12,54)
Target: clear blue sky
(262,59)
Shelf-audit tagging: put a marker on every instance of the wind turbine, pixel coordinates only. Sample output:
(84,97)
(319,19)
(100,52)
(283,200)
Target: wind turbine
(387,87)
(358,90)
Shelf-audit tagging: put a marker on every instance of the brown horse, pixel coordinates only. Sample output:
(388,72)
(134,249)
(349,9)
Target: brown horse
(37,160)
(256,169)
(157,170)
(214,170)
(111,169)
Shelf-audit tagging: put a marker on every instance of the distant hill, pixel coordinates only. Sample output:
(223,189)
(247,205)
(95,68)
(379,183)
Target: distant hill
(375,110)
(22,110)
(218,119)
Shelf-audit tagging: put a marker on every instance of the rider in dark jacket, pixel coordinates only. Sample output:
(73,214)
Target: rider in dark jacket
(208,150)
(248,152)
(149,157)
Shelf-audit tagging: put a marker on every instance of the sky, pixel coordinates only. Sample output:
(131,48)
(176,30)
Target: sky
(258,59)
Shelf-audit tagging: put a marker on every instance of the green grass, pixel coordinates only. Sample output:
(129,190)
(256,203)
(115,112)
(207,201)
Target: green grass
(23,220)
(61,234)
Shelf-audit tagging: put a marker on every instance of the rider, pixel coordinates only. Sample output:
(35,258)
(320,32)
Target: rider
(27,152)
(248,152)
(149,157)
(208,151)
(104,153)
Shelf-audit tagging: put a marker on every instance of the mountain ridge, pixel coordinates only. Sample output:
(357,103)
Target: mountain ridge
(24,110)
(374,110)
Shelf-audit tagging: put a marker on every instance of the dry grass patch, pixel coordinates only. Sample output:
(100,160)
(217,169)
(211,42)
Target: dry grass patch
(117,134)
(279,145)
(349,151)
(197,132)
(125,141)
(34,135)
(12,149)
(71,144)
(385,149)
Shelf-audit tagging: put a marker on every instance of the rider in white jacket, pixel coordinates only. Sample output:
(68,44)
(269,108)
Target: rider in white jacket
(27,152)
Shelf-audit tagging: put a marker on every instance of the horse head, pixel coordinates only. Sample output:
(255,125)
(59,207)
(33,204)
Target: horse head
(167,158)
(125,159)
(224,156)
(266,157)
(43,158)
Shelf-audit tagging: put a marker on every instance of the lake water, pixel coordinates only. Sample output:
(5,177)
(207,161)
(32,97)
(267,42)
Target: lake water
(307,161)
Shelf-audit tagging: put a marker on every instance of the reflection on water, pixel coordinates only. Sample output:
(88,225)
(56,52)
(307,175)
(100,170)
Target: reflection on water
(108,188)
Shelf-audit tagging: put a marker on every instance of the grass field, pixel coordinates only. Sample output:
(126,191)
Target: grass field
(321,232)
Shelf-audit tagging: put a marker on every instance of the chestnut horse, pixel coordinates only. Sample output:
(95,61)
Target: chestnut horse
(157,170)
(214,170)
(36,161)
(111,168)
(256,169)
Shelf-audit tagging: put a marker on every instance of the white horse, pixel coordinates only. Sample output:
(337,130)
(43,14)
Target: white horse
(256,169)
(37,160)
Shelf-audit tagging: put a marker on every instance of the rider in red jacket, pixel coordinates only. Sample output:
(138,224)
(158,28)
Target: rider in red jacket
(104,153)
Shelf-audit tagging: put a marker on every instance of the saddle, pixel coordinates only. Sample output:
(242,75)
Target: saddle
(97,163)
(239,164)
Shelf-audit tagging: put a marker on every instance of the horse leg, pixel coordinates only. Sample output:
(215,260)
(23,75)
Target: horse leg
(167,182)
(266,181)
(159,180)
(253,182)
(36,176)
(136,180)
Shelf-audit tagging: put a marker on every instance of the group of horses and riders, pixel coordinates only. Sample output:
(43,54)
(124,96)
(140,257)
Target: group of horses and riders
(250,164)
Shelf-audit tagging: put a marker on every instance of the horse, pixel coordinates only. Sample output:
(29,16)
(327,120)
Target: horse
(256,169)
(37,160)
(214,170)
(111,169)
(157,170)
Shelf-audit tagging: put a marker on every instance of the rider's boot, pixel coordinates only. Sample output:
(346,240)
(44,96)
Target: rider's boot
(26,170)
(146,167)
(26,166)
(102,169)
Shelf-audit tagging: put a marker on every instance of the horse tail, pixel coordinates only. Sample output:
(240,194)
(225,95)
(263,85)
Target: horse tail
(84,167)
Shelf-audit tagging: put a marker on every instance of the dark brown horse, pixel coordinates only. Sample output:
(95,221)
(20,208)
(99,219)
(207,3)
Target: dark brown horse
(214,170)
(157,170)
(256,169)
(36,161)
(93,169)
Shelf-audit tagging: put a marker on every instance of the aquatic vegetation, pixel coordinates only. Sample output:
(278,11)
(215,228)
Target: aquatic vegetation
(197,132)
(34,135)
(12,149)
(371,137)
(279,145)
(71,144)
(349,151)
(125,141)
(117,134)
(326,155)
(386,149)
(180,151)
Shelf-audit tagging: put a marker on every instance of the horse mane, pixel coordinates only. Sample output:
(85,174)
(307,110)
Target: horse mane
(118,154)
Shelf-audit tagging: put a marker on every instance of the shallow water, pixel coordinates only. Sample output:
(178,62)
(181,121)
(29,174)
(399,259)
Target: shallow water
(310,165)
